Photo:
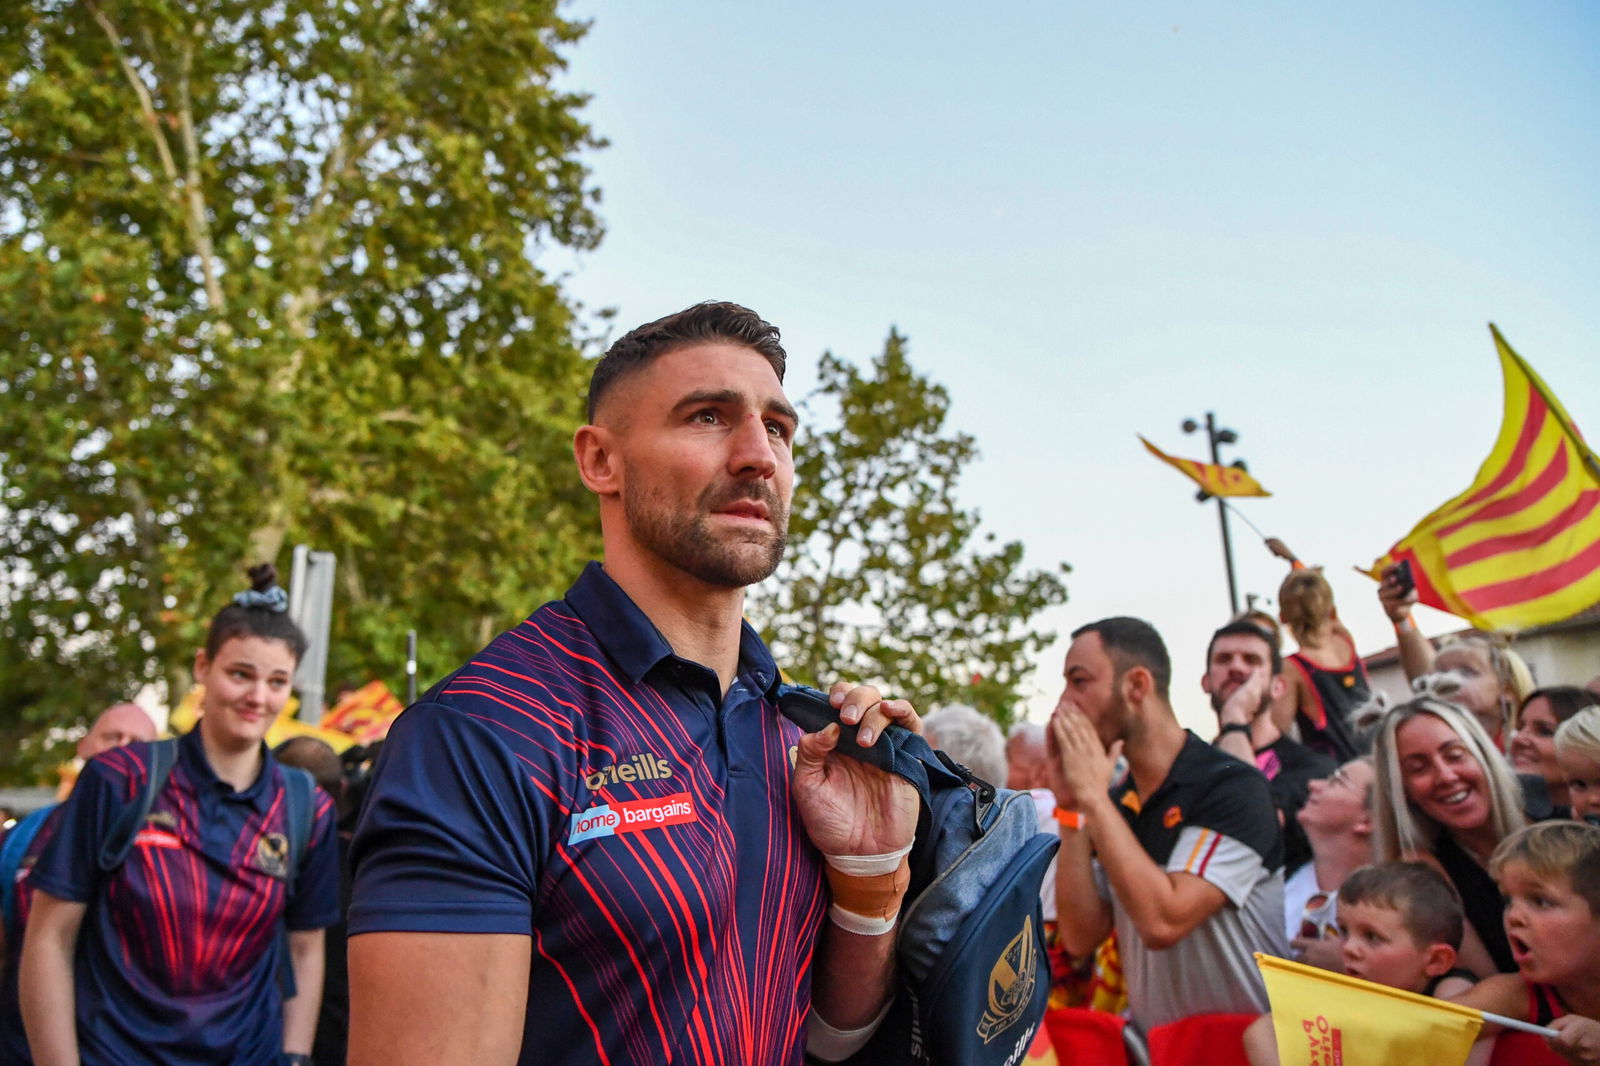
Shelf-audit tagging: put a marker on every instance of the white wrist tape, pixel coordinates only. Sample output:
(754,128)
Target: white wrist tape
(868,865)
(861,924)
(825,1042)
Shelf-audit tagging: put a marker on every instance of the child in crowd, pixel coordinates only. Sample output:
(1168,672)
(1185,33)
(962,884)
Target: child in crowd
(1402,926)
(1550,875)
(1326,679)
(1578,755)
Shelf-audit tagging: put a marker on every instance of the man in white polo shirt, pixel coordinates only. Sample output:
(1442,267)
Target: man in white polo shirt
(1185,858)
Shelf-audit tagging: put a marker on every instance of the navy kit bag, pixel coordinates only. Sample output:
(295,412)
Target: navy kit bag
(973,978)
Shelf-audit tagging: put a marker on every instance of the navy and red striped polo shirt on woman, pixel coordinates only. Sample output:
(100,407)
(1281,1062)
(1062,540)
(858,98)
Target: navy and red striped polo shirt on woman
(579,783)
(178,954)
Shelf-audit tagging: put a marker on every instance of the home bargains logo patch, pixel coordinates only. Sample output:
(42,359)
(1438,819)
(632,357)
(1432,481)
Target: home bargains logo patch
(630,816)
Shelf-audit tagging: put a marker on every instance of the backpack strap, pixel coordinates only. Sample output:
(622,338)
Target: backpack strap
(902,752)
(118,841)
(299,812)
(12,852)
(899,751)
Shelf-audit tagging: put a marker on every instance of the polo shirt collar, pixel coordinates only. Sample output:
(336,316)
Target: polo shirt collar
(633,642)
(1190,765)
(192,754)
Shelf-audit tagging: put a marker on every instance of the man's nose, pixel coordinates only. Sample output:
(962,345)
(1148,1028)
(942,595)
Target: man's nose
(750,449)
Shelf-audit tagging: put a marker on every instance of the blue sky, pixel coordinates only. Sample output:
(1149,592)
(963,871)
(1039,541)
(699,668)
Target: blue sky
(1096,220)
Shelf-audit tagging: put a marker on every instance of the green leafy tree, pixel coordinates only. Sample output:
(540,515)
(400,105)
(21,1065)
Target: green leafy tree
(887,577)
(268,276)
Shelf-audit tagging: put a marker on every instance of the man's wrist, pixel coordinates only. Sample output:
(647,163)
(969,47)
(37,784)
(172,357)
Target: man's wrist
(1233,727)
(1404,624)
(867,890)
(294,1058)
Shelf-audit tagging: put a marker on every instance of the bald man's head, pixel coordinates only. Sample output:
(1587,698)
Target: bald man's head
(119,724)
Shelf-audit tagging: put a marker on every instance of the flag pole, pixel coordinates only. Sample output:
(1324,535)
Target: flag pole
(1526,1027)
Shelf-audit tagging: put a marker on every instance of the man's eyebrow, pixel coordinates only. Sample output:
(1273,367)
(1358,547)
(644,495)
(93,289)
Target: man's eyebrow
(732,396)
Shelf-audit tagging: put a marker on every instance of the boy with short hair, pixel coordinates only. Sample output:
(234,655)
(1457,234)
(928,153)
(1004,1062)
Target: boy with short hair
(1402,924)
(1549,873)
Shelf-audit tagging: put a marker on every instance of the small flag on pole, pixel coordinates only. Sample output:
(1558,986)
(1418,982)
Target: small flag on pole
(1321,1018)
(1521,546)
(1213,478)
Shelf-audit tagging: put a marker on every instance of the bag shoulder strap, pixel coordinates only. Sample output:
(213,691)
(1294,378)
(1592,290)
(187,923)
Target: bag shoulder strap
(299,813)
(12,851)
(119,838)
(299,810)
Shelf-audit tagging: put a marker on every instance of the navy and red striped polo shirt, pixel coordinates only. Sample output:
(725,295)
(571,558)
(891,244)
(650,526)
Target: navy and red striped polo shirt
(579,783)
(179,952)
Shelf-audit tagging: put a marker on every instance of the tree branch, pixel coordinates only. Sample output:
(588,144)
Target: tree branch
(199,227)
(147,106)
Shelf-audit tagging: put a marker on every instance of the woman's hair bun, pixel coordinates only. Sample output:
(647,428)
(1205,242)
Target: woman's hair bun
(262,577)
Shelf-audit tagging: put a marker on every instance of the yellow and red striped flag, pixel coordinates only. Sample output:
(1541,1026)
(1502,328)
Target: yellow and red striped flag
(1521,546)
(1215,479)
(365,714)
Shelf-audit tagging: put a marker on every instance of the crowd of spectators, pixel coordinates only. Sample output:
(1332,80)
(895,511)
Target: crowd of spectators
(187,902)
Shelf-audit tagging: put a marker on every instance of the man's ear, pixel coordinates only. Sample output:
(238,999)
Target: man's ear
(1277,687)
(201,663)
(1137,684)
(1440,958)
(594,447)
(1205,682)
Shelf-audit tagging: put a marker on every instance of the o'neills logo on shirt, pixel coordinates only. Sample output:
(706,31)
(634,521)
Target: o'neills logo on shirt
(646,766)
(630,816)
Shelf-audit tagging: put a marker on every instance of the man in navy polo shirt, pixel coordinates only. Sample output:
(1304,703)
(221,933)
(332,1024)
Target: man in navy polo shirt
(1185,858)
(598,841)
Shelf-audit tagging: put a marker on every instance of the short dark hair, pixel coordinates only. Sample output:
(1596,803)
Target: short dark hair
(317,757)
(1428,905)
(268,623)
(1133,642)
(701,324)
(1241,628)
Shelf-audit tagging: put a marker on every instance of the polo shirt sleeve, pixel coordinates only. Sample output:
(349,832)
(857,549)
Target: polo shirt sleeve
(314,903)
(1230,837)
(453,832)
(68,866)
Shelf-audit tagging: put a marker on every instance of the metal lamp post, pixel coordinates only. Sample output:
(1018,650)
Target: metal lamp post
(1216,437)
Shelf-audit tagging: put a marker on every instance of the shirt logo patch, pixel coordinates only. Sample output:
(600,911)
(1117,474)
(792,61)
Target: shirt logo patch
(1172,817)
(630,816)
(645,766)
(162,818)
(272,855)
(156,838)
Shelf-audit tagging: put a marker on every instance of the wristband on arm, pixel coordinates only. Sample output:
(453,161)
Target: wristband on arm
(1070,819)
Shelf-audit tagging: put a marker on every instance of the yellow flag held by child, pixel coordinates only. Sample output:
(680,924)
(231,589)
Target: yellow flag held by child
(1329,1019)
